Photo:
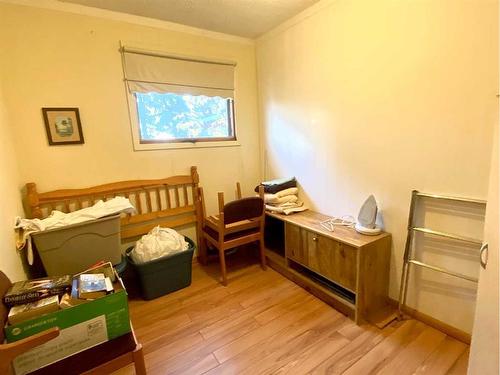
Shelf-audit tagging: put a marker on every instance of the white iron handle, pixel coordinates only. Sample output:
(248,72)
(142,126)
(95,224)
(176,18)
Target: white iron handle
(483,255)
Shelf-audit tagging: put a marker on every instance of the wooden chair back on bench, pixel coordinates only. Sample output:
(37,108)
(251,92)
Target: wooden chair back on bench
(170,202)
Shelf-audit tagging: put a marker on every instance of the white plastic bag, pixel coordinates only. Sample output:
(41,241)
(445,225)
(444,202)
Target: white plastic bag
(159,242)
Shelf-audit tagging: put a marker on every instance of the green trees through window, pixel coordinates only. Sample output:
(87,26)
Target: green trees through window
(169,117)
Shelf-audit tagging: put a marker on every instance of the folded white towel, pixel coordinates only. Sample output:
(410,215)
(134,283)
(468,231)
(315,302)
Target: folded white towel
(291,204)
(284,202)
(289,191)
(275,200)
(287,208)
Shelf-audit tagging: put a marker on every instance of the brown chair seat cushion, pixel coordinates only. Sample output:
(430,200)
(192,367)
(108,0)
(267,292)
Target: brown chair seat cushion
(228,237)
(91,358)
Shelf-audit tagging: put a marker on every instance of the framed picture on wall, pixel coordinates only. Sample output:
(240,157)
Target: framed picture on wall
(63,126)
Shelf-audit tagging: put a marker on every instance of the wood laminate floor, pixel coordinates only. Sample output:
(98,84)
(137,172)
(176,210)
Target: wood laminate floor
(262,323)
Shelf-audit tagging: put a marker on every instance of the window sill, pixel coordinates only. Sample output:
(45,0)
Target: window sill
(183,145)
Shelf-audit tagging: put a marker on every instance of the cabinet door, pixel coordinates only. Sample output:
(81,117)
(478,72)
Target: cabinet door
(332,259)
(293,244)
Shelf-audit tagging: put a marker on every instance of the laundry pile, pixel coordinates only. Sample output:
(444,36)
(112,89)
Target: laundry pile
(281,197)
(158,243)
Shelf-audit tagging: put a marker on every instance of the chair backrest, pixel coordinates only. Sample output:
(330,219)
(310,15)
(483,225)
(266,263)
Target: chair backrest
(4,286)
(243,209)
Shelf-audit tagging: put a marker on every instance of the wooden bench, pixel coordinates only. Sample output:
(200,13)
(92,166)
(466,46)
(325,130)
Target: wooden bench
(169,202)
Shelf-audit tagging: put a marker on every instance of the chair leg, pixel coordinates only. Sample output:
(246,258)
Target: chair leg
(203,251)
(139,364)
(262,255)
(222,259)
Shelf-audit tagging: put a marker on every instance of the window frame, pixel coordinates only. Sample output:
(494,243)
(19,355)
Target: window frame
(180,143)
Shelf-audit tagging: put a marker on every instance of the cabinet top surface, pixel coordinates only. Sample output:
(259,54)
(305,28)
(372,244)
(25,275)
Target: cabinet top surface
(311,220)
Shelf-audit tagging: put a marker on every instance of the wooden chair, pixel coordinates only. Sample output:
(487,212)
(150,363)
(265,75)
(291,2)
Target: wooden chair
(101,359)
(239,222)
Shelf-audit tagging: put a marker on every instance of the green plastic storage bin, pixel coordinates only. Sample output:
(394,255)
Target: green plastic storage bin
(164,275)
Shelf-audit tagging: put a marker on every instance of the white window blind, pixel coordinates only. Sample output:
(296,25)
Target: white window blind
(154,72)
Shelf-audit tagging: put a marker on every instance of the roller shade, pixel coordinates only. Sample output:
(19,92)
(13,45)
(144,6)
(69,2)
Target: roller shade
(153,72)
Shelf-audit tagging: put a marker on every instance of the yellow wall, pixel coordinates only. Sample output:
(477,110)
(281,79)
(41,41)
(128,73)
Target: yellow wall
(382,97)
(59,59)
(10,262)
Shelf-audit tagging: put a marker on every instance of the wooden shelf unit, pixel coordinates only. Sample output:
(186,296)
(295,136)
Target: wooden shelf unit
(346,269)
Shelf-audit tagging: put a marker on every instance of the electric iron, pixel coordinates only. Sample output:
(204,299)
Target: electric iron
(366,218)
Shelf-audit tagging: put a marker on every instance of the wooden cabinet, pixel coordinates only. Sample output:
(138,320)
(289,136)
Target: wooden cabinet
(332,259)
(345,268)
(293,244)
(329,258)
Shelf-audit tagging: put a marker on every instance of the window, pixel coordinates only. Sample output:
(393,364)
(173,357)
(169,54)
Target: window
(174,117)
(179,101)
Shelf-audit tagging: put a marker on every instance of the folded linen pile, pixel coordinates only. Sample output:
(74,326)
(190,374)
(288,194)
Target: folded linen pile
(281,196)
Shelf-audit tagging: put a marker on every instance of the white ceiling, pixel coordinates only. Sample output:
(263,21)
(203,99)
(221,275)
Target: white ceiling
(246,18)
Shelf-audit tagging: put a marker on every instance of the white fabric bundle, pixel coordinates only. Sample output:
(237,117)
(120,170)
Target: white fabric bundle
(159,242)
(60,219)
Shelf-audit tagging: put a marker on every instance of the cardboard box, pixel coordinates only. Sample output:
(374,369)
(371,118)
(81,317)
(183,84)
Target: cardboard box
(82,327)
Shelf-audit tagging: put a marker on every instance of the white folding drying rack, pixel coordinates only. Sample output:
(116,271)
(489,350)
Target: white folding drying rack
(408,254)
